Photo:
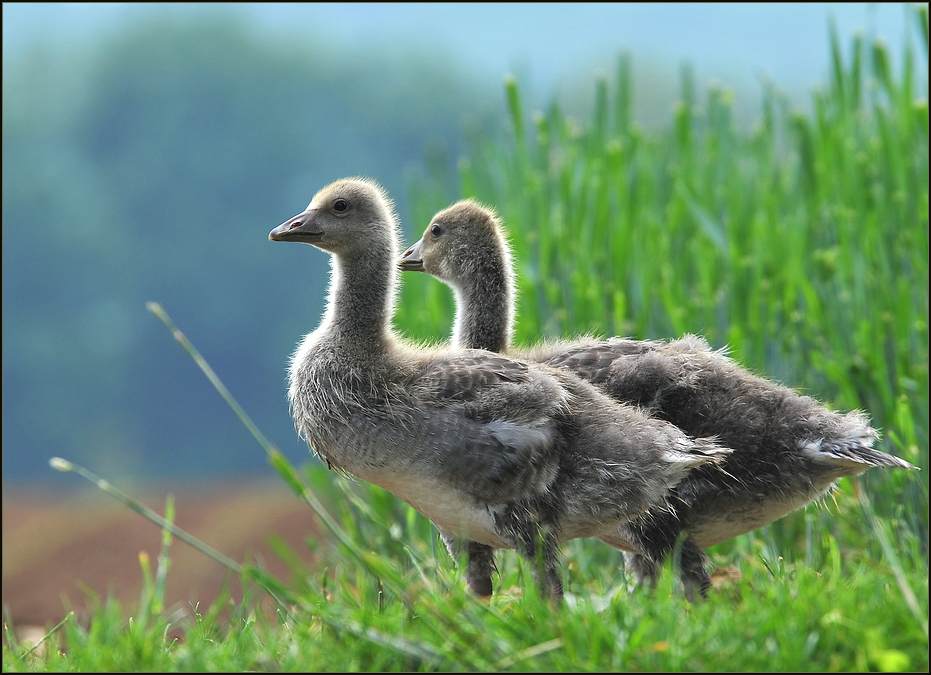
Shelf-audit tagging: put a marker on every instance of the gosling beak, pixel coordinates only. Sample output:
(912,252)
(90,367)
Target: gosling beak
(411,260)
(299,228)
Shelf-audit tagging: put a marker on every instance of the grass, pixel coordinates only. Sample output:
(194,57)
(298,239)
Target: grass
(802,244)
(402,606)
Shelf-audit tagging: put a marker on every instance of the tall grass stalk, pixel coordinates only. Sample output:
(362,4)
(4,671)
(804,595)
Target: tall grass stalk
(165,522)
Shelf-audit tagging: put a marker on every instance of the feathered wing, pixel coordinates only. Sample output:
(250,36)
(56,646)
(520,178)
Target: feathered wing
(490,425)
(592,360)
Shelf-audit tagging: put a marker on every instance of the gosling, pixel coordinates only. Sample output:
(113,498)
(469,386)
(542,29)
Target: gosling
(497,453)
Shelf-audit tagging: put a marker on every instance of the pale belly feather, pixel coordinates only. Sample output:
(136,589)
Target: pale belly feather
(451,511)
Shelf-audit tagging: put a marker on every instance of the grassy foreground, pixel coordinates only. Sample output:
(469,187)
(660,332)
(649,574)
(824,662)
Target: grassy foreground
(802,244)
(390,600)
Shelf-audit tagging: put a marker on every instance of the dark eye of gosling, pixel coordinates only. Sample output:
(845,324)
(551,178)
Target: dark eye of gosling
(436,230)
(340,205)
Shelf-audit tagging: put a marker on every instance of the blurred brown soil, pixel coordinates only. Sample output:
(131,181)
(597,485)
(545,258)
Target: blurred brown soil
(56,549)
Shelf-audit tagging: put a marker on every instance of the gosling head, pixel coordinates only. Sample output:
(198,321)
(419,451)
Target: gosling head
(348,215)
(461,242)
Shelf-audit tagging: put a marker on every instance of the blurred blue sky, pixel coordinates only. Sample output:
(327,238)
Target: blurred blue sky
(548,45)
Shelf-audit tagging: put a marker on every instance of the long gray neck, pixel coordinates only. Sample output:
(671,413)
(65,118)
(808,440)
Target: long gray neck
(361,303)
(485,307)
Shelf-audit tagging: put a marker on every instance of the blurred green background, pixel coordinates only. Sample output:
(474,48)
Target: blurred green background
(149,149)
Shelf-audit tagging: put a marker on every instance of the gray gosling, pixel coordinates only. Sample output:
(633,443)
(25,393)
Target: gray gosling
(495,452)
(789,449)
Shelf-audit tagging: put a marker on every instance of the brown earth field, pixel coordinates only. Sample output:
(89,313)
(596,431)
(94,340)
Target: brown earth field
(62,551)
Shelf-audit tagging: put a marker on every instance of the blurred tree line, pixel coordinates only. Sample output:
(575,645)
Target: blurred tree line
(151,166)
